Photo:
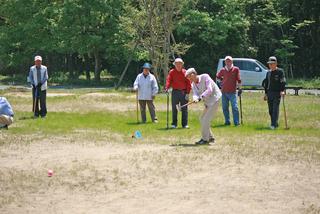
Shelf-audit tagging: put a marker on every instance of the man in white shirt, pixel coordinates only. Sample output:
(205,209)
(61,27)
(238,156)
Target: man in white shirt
(147,87)
(205,89)
(38,77)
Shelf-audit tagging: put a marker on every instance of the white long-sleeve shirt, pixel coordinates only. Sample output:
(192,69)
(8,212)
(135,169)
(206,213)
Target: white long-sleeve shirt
(206,89)
(33,77)
(147,86)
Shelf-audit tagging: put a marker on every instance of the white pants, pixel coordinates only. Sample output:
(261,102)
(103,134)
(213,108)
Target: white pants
(205,120)
(5,120)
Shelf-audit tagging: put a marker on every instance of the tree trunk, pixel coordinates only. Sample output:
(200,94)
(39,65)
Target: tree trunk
(97,66)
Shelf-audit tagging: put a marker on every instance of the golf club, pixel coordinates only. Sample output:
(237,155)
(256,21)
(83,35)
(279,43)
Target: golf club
(35,99)
(179,106)
(137,106)
(240,109)
(285,113)
(167,109)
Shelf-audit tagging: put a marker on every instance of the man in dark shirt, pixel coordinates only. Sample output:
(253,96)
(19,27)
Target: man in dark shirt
(274,86)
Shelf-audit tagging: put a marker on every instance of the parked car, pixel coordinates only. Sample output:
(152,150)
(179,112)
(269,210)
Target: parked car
(252,71)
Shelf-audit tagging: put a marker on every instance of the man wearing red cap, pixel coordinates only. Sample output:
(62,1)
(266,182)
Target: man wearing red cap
(181,87)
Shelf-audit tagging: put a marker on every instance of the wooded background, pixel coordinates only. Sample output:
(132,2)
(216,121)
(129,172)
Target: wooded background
(80,37)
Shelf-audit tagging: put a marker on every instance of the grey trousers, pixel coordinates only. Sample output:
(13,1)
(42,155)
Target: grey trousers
(151,108)
(205,120)
(178,96)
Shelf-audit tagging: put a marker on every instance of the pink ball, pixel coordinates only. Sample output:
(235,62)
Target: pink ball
(50,173)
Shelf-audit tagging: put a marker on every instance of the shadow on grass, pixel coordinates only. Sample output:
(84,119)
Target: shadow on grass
(187,145)
(134,123)
(183,145)
(262,128)
(220,126)
(26,118)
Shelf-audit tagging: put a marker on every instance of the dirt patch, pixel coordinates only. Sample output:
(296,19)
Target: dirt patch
(104,176)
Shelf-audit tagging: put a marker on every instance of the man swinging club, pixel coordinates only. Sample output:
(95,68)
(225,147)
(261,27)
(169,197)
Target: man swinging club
(204,88)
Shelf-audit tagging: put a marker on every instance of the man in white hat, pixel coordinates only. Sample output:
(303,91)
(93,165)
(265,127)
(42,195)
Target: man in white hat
(38,77)
(230,77)
(274,86)
(181,87)
(205,89)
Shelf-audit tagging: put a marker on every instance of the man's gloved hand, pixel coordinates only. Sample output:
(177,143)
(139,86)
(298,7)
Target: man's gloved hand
(239,92)
(33,86)
(187,97)
(198,99)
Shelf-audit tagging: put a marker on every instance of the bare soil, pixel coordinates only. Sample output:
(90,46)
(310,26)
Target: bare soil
(141,177)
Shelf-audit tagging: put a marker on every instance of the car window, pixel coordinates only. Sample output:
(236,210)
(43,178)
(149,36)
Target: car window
(249,66)
(262,65)
(239,64)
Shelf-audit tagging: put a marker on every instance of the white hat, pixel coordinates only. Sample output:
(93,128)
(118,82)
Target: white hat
(37,58)
(178,60)
(272,60)
(228,57)
(190,71)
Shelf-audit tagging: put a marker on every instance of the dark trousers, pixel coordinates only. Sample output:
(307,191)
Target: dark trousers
(273,104)
(151,108)
(178,96)
(38,95)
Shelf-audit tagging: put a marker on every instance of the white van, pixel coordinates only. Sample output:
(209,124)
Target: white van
(252,72)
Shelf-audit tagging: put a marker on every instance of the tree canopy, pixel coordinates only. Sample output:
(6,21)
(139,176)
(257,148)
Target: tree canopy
(78,37)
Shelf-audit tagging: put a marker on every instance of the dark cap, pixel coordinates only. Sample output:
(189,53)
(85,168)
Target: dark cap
(272,59)
(147,66)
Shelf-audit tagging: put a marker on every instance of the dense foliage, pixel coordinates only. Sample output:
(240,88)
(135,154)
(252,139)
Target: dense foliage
(77,37)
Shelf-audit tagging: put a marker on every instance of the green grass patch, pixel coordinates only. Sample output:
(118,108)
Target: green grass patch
(303,118)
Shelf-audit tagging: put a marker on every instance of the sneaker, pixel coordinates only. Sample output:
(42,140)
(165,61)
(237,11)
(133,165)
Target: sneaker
(173,126)
(202,142)
(211,140)
(4,127)
(272,127)
(185,127)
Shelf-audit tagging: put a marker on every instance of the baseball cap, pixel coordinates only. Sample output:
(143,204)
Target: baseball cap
(147,66)
(190,71)
(228,57)
(178,60)
(37,58)
(272,59)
